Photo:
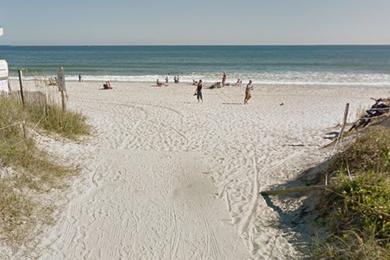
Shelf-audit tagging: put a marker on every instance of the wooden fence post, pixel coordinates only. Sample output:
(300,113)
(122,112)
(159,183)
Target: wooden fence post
(340,136)
(344,121)
(63,100)
(46,101)
(21,86)
(9,87)
(62,86)
(20,73)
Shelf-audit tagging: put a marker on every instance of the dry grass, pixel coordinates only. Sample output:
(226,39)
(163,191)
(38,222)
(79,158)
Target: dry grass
(33,171)
(52,119)
(20,215)
(45,113)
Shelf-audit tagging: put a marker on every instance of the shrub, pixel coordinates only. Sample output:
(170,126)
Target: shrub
(357,213)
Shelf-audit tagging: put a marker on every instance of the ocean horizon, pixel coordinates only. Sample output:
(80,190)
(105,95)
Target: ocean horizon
(366,65)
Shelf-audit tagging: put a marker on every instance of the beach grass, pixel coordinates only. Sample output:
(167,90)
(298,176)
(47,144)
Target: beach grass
(27,172)
(16,211)
(357,214)
(51,118)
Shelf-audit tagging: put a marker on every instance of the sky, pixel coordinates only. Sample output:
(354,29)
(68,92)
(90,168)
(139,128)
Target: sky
(194,22)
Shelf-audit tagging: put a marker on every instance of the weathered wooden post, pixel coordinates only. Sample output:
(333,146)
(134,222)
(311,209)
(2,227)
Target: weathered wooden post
(20,73)
(46,101)
(340,136)
(344,121)
(61,86)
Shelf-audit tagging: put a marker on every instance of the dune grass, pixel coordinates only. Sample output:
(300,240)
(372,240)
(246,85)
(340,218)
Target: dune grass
(15,211)
(357,214)
(27,172)
(51,118)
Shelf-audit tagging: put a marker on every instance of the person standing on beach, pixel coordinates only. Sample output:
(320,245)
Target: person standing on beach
(223,79)
(79,77)
(176,79)
(239,82)
(248,90)
(166,80)
(198,92)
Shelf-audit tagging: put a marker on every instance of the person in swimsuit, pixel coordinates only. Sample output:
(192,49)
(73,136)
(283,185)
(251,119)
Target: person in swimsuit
(160,84)
(239,82)
(198,91)
(107,85)
(223,79)
(248,90)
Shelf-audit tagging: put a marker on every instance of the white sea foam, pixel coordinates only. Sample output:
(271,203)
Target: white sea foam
(283,78)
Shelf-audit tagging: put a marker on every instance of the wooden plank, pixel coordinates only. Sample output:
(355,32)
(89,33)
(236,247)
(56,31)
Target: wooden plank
(293,190)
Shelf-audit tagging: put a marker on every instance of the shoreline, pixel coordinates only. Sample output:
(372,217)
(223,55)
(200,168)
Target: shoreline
(380,85)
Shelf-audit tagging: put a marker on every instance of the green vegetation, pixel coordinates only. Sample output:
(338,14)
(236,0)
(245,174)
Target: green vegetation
(26,172)
(357,214)
(52,119)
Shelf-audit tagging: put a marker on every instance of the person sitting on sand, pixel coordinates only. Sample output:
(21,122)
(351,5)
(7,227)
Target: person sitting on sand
(215,85)
(107,85)
(161,84)
(198,92)
(52,81)
(248,90)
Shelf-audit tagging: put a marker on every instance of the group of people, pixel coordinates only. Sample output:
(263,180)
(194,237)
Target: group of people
(224,83)
(248,89)
(161,84)
(107,85)
(176,80)
(199,86)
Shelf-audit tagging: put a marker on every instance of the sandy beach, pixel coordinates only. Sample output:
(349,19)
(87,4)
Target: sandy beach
(106,152)
(166,177)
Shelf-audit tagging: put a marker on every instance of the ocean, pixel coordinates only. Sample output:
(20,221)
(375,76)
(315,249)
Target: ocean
(327,65)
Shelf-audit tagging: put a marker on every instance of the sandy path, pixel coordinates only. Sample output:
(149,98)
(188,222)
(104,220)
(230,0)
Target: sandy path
(145,209)
(167,178)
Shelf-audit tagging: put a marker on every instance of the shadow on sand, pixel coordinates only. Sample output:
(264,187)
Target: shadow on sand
(299,221)
(232,104)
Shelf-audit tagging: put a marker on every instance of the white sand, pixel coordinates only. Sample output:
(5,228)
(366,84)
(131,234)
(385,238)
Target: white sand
(167,178)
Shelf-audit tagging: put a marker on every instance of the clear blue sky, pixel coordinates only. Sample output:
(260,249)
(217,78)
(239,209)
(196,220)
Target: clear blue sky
(85,22)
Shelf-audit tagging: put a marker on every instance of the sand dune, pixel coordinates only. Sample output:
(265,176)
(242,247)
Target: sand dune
(167,178)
